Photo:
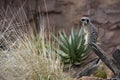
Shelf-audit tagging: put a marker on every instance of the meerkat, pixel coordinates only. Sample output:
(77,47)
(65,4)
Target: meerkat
(89,30)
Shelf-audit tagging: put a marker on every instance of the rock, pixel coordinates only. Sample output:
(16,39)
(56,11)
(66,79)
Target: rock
(116,39)
(113,27)
(109,35)
(1,78)
(110,2)
(115,55)
(114,19)
(100,17)
(118,47)
(112,11)
(110,50)
(101,33)
(45,6)
(119,25)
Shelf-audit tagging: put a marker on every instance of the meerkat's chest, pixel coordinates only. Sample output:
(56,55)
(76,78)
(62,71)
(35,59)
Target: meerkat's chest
(86,36)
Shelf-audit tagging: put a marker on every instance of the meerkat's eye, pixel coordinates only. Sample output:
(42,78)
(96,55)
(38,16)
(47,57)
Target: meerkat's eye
(82,20)
(87,20)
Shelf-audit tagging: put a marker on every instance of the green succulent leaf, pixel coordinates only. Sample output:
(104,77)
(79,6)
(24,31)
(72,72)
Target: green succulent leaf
(72,48)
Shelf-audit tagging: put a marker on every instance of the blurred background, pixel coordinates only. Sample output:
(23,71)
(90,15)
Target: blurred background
(63,14)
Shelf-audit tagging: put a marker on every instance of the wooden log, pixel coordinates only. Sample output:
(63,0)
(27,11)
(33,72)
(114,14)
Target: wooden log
(88,69)
(104,57)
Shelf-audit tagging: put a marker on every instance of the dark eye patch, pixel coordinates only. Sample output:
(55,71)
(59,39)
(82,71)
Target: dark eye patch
(82,19)
(87,20)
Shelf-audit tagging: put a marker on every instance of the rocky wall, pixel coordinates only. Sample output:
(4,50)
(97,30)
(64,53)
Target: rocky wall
(105,14)
(63,14)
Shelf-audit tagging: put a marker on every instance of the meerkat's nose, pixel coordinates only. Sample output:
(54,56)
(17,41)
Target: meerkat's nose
(83,21)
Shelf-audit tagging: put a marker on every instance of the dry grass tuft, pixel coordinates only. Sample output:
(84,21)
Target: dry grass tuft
(24,63)
(26,57)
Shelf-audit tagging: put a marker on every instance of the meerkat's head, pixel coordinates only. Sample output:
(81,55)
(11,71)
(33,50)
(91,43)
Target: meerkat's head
(84,21)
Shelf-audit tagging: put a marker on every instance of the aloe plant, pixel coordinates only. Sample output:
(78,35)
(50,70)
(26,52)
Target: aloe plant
(72,48)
